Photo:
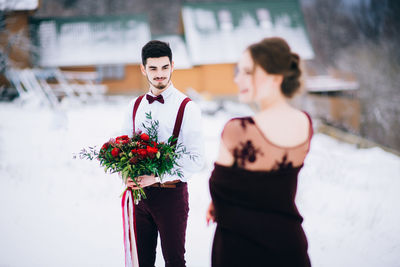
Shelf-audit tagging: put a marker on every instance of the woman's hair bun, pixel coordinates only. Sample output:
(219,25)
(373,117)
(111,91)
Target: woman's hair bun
(295,61)
(291,81)
(275,57)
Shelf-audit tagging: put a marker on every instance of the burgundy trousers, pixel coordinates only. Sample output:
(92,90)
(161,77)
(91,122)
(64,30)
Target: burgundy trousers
(165,211)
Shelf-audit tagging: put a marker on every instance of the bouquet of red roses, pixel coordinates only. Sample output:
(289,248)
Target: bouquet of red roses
(139,155)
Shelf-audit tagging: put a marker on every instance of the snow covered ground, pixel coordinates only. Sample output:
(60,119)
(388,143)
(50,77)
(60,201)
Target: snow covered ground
(57,211)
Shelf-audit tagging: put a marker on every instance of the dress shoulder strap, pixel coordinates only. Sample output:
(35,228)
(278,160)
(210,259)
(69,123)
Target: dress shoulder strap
(311,130)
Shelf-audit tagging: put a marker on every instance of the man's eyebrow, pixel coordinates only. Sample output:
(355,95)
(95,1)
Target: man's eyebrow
(154,67)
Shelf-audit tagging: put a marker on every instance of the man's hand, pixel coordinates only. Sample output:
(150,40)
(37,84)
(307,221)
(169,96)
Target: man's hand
(142,181)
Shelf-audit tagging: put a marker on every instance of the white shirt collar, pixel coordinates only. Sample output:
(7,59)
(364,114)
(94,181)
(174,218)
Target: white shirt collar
(166,93)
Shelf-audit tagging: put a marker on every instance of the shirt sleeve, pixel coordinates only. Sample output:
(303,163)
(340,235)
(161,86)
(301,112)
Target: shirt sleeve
(191,137)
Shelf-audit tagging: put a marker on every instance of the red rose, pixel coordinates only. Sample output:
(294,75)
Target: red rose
(124,139)
(154,144)
(152,149)
(142,152)
(115,152)
(134,151)
(144,137)
(105,146)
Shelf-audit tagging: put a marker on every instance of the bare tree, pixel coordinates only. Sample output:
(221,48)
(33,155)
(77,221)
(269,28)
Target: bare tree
(363,39)
(14,41)
(15,45)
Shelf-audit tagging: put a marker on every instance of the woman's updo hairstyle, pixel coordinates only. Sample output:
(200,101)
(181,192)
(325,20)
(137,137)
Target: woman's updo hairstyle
(274,56)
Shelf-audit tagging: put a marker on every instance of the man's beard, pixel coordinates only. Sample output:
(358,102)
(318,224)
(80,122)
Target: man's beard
(159,85)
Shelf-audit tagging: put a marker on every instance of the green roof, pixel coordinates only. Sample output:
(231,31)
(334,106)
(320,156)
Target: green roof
(218,32)
(91,40)
(276,8)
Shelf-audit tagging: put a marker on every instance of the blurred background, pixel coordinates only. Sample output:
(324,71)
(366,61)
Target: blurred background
(68,69)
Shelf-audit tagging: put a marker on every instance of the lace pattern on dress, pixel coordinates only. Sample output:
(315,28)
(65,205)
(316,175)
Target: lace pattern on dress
(252,151)
(245,152)
(284,164)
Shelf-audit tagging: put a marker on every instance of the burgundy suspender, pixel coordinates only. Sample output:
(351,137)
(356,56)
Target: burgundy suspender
(178,120)
(135,108)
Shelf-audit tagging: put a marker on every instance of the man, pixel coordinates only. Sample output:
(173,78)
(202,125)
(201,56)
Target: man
(166,208)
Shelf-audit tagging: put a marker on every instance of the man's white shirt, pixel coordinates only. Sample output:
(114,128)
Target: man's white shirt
(190,134)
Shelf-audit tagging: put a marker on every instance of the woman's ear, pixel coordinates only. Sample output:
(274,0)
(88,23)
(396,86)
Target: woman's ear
(278,79)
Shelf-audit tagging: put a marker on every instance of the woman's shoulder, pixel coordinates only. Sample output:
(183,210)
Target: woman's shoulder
(285,128)
(238,123)
(235,130)
(303,122)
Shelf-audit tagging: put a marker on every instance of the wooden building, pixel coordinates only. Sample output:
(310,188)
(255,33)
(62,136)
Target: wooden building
(210,40)
(213,37)
(14,34)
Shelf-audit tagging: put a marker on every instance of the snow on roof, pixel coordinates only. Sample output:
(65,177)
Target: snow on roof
(325,83)
(180,54)
(91,40)
(14,5)
(219,32)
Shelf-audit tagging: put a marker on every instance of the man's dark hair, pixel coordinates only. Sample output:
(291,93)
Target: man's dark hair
(156,49)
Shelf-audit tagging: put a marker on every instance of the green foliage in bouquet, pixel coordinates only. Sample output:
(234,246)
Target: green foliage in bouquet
(142,154)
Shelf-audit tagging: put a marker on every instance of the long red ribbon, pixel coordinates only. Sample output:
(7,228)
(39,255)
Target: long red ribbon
(129,224)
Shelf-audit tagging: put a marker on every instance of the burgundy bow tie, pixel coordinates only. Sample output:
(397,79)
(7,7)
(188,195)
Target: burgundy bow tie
(158,98)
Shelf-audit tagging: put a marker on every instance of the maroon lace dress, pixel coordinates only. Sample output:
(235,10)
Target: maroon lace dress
(258,223)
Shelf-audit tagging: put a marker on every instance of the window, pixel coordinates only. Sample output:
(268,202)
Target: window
(225,20)
(111,72)
(264,17)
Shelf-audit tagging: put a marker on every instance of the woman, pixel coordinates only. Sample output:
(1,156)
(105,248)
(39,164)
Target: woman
(253,184)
